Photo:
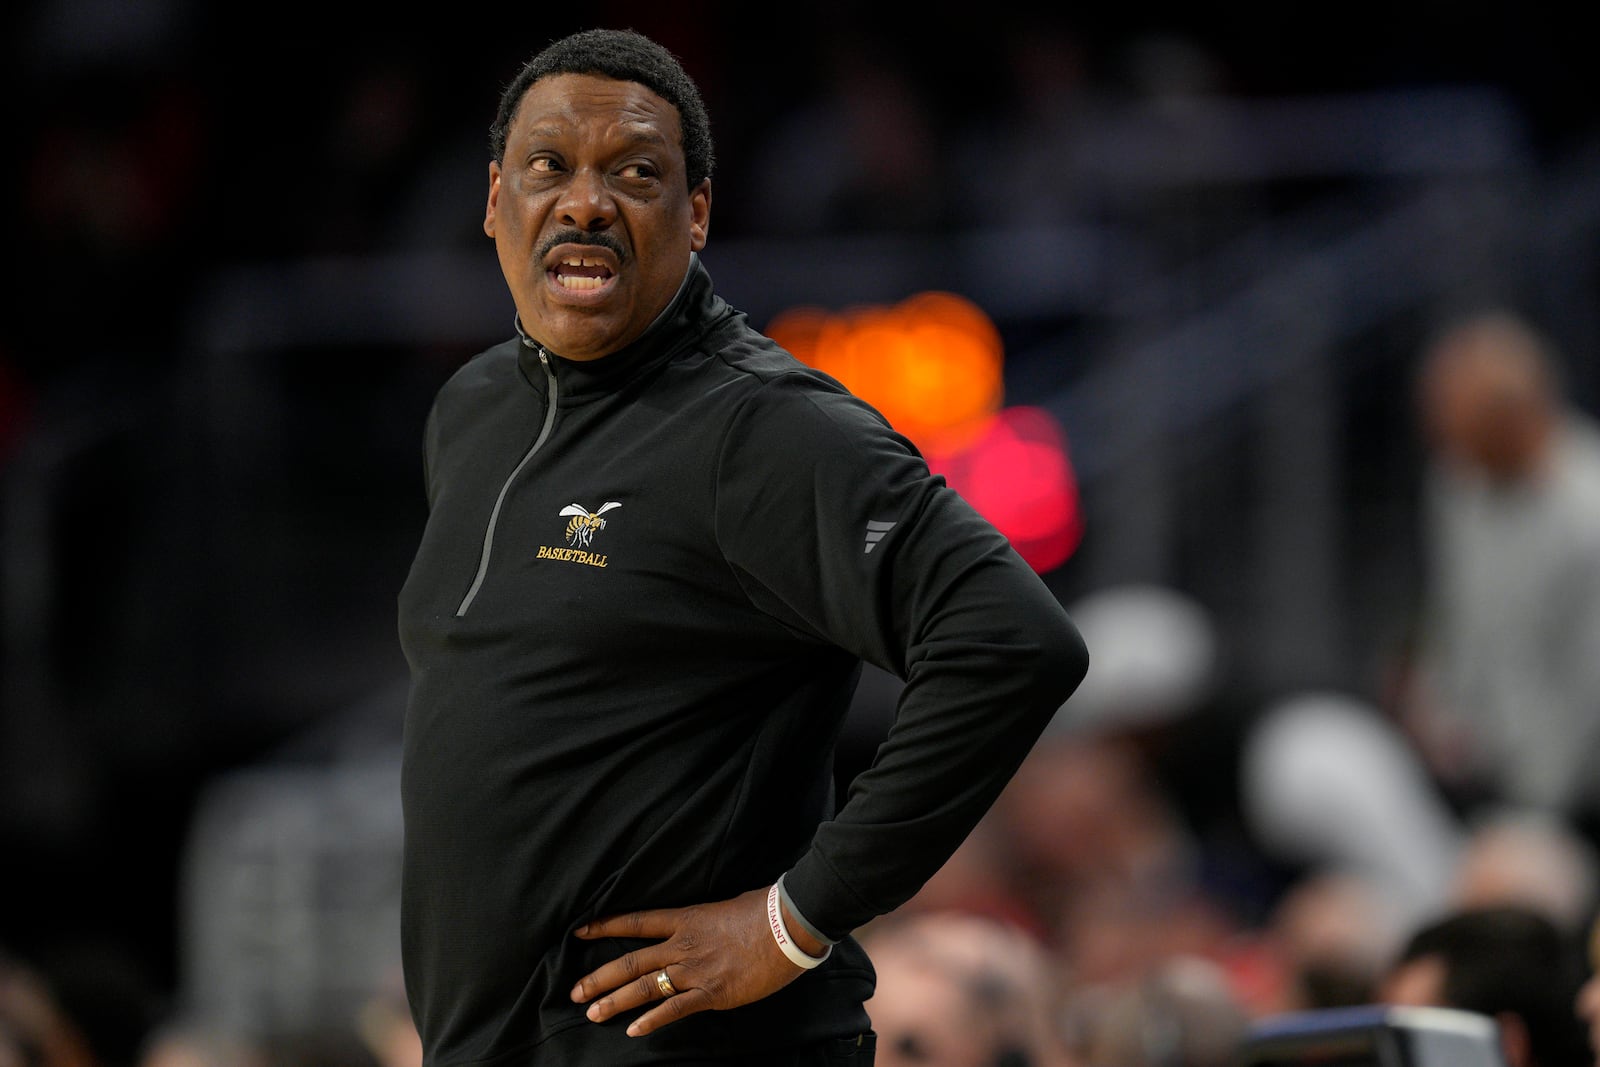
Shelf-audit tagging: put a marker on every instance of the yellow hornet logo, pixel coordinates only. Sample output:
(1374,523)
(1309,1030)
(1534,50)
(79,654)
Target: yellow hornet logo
(585,523)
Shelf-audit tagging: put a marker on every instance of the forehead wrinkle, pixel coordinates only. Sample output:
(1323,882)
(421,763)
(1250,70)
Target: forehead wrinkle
(634,134)
(629,134)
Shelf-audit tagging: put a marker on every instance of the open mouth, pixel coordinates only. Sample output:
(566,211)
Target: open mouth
(581,273)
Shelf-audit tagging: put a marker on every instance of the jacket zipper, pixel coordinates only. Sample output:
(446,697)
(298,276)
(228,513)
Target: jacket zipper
(494,516)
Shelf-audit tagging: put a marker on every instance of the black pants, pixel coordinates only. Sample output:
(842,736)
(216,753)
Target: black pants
(858,1051)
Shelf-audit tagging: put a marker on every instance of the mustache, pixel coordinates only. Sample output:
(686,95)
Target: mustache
(597,238)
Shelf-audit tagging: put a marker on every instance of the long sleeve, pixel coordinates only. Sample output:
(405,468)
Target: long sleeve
(835,526)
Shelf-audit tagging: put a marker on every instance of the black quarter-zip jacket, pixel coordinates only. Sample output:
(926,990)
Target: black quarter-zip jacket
(634,624)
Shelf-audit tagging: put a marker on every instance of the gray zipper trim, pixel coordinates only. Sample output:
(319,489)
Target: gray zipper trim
(494,516)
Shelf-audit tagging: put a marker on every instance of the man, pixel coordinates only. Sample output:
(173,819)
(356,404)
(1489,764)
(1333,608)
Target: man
(1509,962)
(1506,698)
(658,550)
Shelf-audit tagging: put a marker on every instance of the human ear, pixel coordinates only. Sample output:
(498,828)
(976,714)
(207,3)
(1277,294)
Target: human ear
(700,215)
(494,198)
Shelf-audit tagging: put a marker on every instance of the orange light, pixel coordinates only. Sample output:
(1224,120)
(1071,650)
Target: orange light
(799,330)
(932,365)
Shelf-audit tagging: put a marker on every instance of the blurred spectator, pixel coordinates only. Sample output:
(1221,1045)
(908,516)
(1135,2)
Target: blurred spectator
(385,1025)
(14,1051)
(109,997)
(962,991)
(1156,659)
(380,1035)
(1334,933)
(1183,1014)
(188,1043)
(1504,696)
(1330,784)
(1110,873)
(1510,963)
(1123,830)
(1159,689)
(34,1025)
(1529,858)
(1088,831)
(978,879)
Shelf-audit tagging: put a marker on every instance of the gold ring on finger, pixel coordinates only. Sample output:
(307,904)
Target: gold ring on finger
(664,983)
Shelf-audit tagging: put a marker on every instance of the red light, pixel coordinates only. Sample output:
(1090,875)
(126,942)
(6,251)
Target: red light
(932,366)
(1018,476)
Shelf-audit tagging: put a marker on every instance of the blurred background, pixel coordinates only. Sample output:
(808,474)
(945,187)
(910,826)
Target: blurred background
(244,248)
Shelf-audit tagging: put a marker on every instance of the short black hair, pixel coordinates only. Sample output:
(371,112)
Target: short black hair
(1509,958)
(625,55)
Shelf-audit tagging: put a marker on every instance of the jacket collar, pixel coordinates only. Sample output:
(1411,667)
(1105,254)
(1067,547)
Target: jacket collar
(683,319)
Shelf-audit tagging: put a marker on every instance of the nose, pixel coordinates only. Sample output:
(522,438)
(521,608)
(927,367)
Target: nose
(586,203)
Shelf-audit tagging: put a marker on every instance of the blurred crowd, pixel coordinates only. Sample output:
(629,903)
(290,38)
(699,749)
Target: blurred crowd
(1175,863)
(1179,860)
(1184,854)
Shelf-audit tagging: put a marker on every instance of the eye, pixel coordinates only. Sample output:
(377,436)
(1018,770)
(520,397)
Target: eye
(639,171)
(544,165)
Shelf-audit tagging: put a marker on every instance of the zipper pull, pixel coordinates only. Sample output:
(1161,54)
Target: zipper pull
(549,369)
(549,372)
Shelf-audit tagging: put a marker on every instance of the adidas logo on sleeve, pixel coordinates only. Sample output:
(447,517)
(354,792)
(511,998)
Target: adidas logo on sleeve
(875,532)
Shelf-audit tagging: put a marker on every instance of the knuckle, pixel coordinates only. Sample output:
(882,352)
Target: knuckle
(630,963)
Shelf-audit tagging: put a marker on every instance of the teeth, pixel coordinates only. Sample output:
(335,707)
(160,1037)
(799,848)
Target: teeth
(580,283)
(581,261)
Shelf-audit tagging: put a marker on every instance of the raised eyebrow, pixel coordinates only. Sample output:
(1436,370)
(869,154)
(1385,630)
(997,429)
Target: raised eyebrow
(548,132)
(644,135)
(539,142)
(641,144)
(635,136)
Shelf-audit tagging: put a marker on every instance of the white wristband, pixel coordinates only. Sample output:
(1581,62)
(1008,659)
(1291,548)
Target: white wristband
(780,934)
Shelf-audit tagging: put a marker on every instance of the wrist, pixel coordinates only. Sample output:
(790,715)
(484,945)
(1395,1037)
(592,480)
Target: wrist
(798,923)
(780,924)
